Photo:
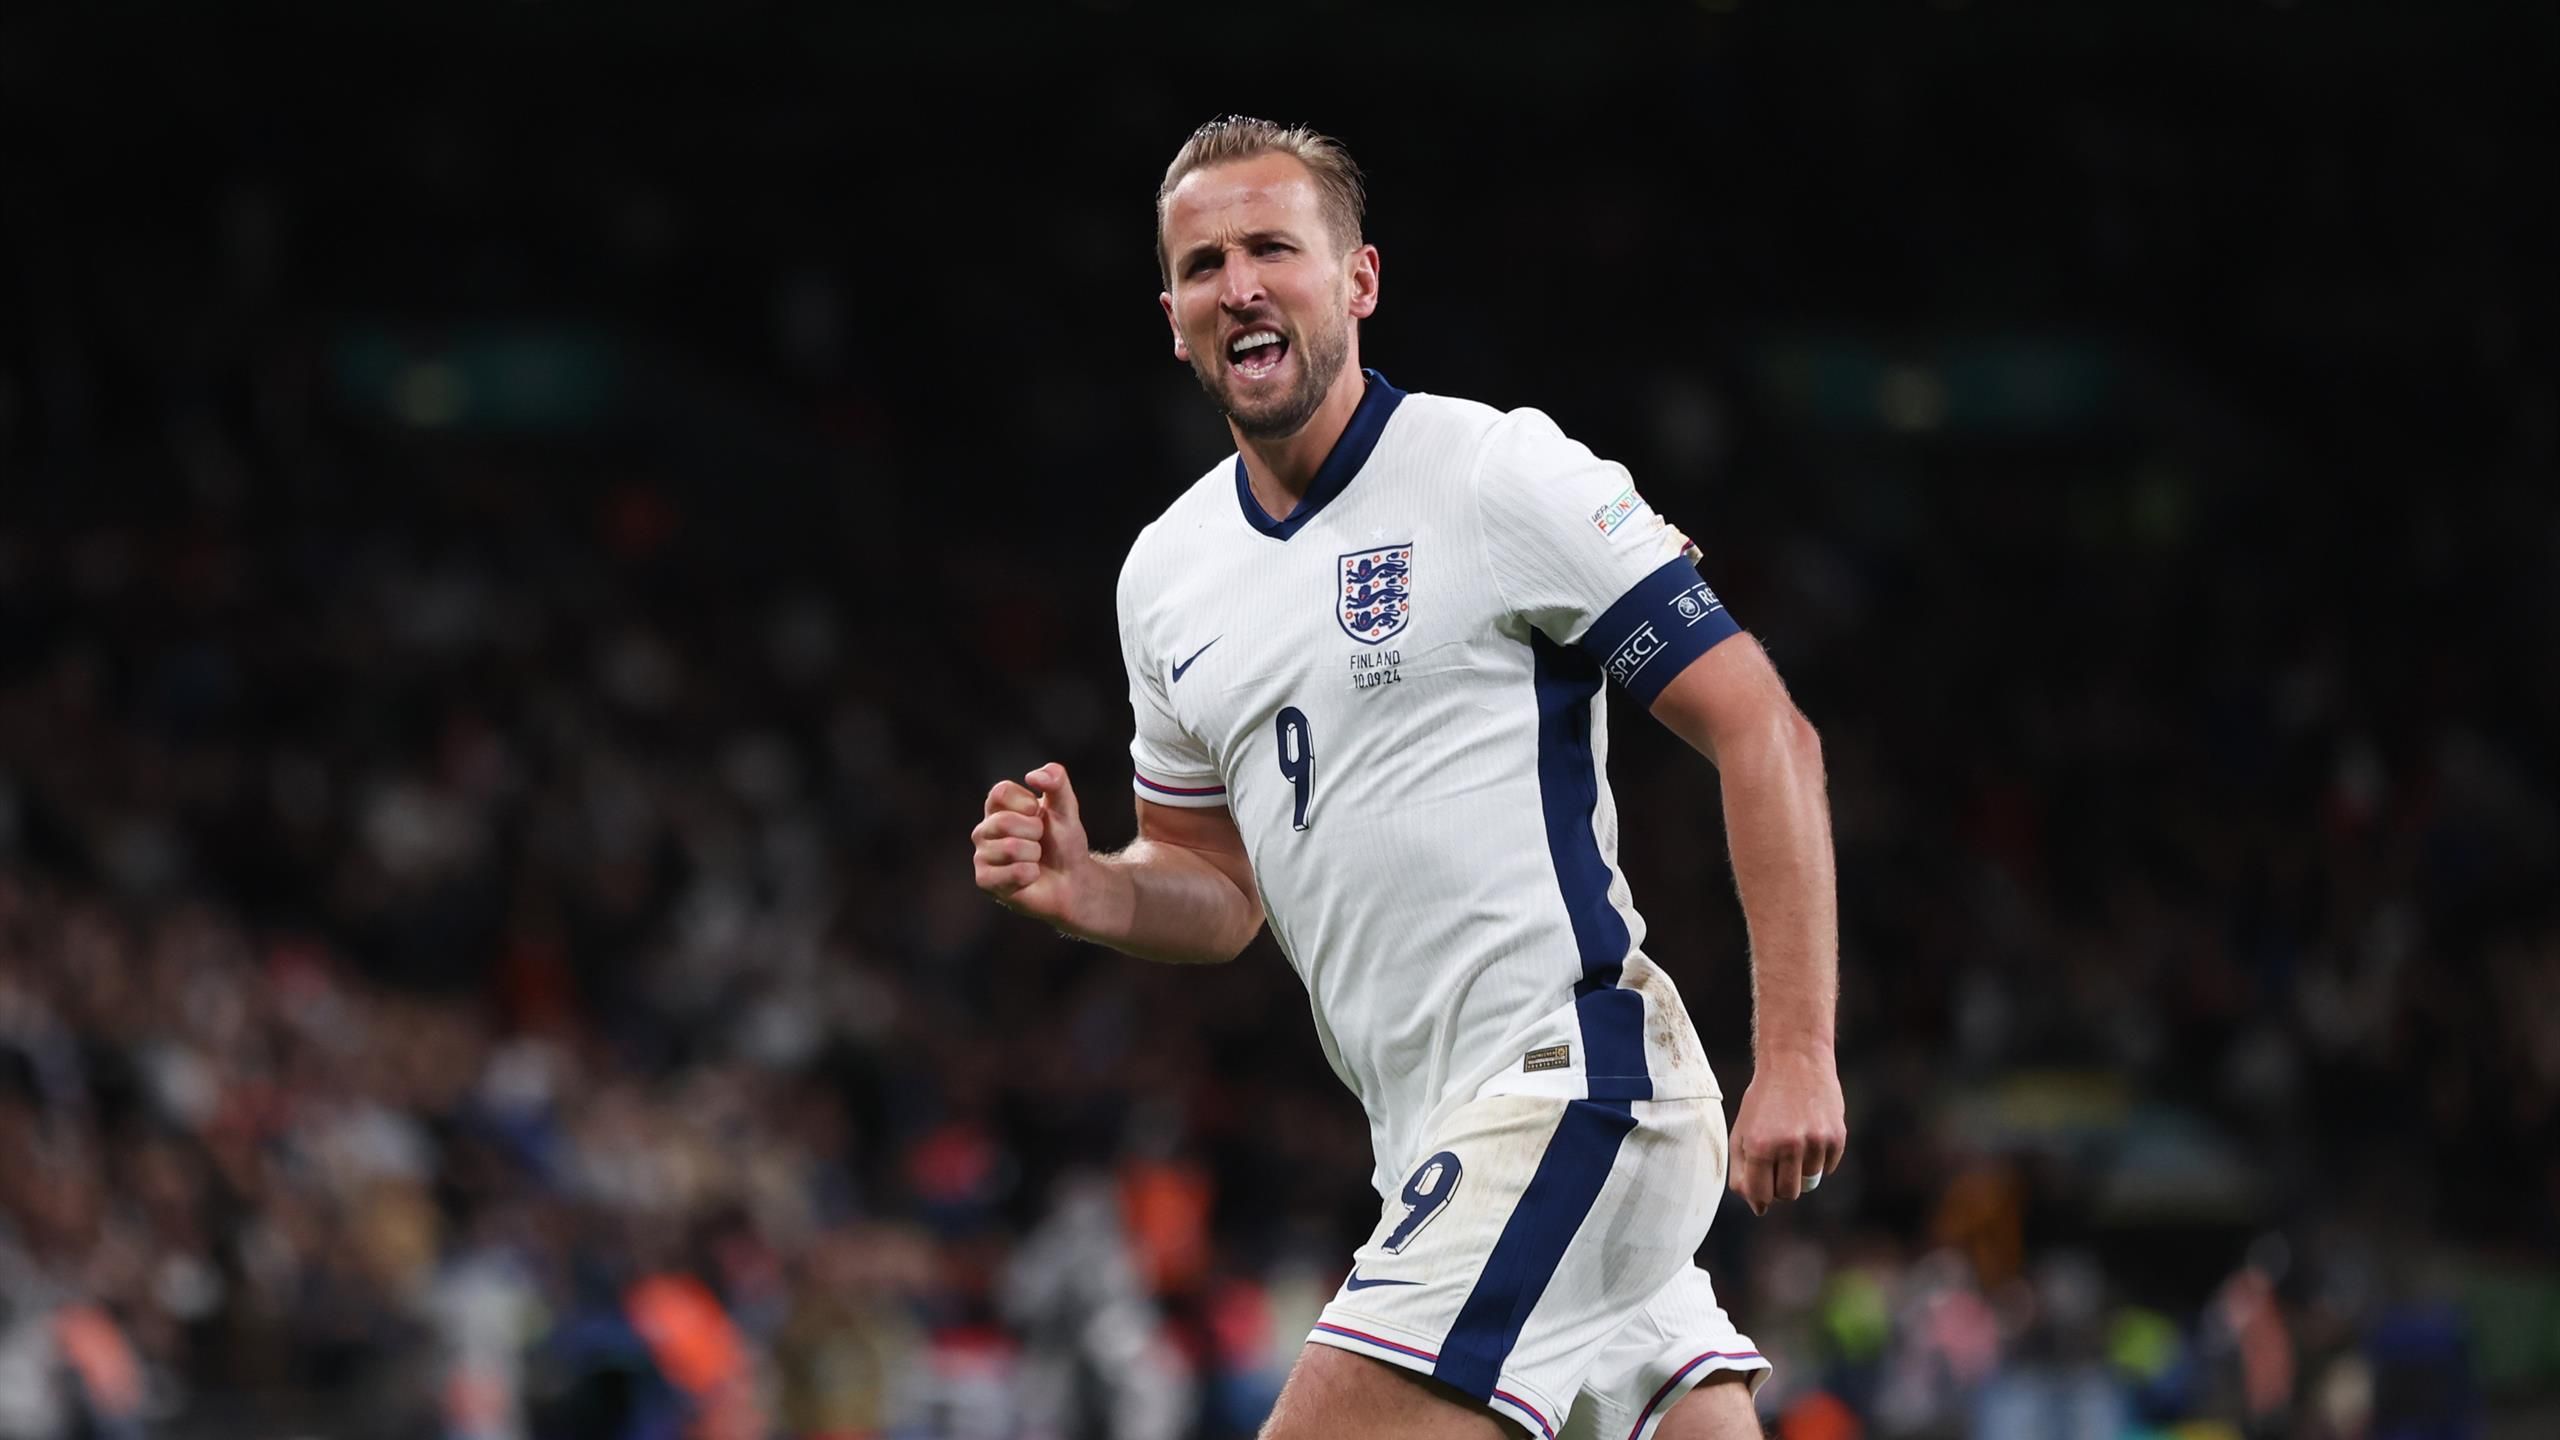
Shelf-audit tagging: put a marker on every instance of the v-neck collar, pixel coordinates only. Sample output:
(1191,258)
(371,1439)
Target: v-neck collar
(1378,401)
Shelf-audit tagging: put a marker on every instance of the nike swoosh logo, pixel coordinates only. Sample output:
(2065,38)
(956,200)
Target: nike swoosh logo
(1356,1283)
(1196,654)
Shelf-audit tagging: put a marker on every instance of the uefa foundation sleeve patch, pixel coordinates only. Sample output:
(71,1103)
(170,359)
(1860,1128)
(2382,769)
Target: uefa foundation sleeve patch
(1609,517)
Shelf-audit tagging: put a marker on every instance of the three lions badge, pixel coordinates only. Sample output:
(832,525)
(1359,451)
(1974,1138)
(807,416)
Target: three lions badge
(1376,596)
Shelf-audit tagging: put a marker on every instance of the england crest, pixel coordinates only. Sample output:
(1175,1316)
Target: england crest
(1375,598)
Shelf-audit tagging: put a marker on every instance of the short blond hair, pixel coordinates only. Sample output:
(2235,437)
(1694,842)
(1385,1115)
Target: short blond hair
(1242,137)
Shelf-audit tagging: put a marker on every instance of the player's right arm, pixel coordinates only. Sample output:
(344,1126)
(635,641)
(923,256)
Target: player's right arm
(1181,893)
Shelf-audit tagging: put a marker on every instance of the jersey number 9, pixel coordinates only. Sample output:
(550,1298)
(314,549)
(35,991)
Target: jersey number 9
(1297,758)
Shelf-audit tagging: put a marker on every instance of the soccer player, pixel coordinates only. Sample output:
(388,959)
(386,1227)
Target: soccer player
(1367,656)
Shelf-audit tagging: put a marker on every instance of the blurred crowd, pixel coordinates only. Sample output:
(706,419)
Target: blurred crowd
(527,994)
(519,1010)
(486,941)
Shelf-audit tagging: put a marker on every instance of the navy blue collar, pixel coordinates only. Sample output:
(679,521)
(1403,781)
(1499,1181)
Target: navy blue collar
(1334,476)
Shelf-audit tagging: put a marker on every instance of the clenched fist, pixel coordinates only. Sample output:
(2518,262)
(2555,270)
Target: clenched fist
(1791,1131)
(1031,853)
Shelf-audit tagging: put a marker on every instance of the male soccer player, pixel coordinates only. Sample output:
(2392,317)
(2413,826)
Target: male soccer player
(1367,657)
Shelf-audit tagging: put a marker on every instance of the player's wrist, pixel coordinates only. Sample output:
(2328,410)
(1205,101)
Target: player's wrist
(1799,1053)
(1103,901)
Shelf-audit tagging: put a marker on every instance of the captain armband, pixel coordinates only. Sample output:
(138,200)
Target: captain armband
(1654,630)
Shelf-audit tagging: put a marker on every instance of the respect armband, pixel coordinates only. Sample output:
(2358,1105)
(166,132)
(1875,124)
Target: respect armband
(1654,630)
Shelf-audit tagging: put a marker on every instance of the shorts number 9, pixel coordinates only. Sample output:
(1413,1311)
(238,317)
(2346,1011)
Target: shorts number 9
(1425,1196)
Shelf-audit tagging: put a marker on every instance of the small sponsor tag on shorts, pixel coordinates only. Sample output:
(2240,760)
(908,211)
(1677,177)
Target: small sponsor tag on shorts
(1554,1057)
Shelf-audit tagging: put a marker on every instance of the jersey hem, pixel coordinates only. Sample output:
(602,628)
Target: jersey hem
(1564,1086)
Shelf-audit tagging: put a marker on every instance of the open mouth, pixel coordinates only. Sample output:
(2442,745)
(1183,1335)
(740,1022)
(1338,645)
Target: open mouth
(1256,353)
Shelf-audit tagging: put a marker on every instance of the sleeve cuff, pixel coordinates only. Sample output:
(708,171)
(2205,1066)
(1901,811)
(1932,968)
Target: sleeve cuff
(1193,795)
(1654,630)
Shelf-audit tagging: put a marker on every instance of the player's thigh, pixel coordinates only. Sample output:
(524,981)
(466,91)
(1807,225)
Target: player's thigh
(1334,1394)
(1718,1409)
(1680,1344)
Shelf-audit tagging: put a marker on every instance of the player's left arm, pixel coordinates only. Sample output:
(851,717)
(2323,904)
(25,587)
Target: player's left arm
(1579,555)
(1730,704)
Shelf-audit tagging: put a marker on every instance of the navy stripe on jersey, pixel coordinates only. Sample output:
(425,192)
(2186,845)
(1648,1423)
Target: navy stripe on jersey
(1569,792)
(1652,633)
(1533,1243)
(1612,1040)
(1190,791)
(1334,476)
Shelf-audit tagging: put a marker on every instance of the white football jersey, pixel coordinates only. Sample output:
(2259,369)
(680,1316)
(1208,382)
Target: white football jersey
(1399,691)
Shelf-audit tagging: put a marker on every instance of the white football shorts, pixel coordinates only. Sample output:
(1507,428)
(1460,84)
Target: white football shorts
(1542,1259)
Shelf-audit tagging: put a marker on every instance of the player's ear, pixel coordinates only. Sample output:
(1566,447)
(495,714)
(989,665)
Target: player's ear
(1364,282)
(1181,350)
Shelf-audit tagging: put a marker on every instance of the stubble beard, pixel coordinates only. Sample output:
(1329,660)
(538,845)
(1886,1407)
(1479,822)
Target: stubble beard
(1327,350)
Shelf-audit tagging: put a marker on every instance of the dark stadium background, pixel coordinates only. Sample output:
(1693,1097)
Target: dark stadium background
(526,530)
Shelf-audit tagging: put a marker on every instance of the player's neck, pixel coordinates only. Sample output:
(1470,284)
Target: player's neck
(1280,470)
